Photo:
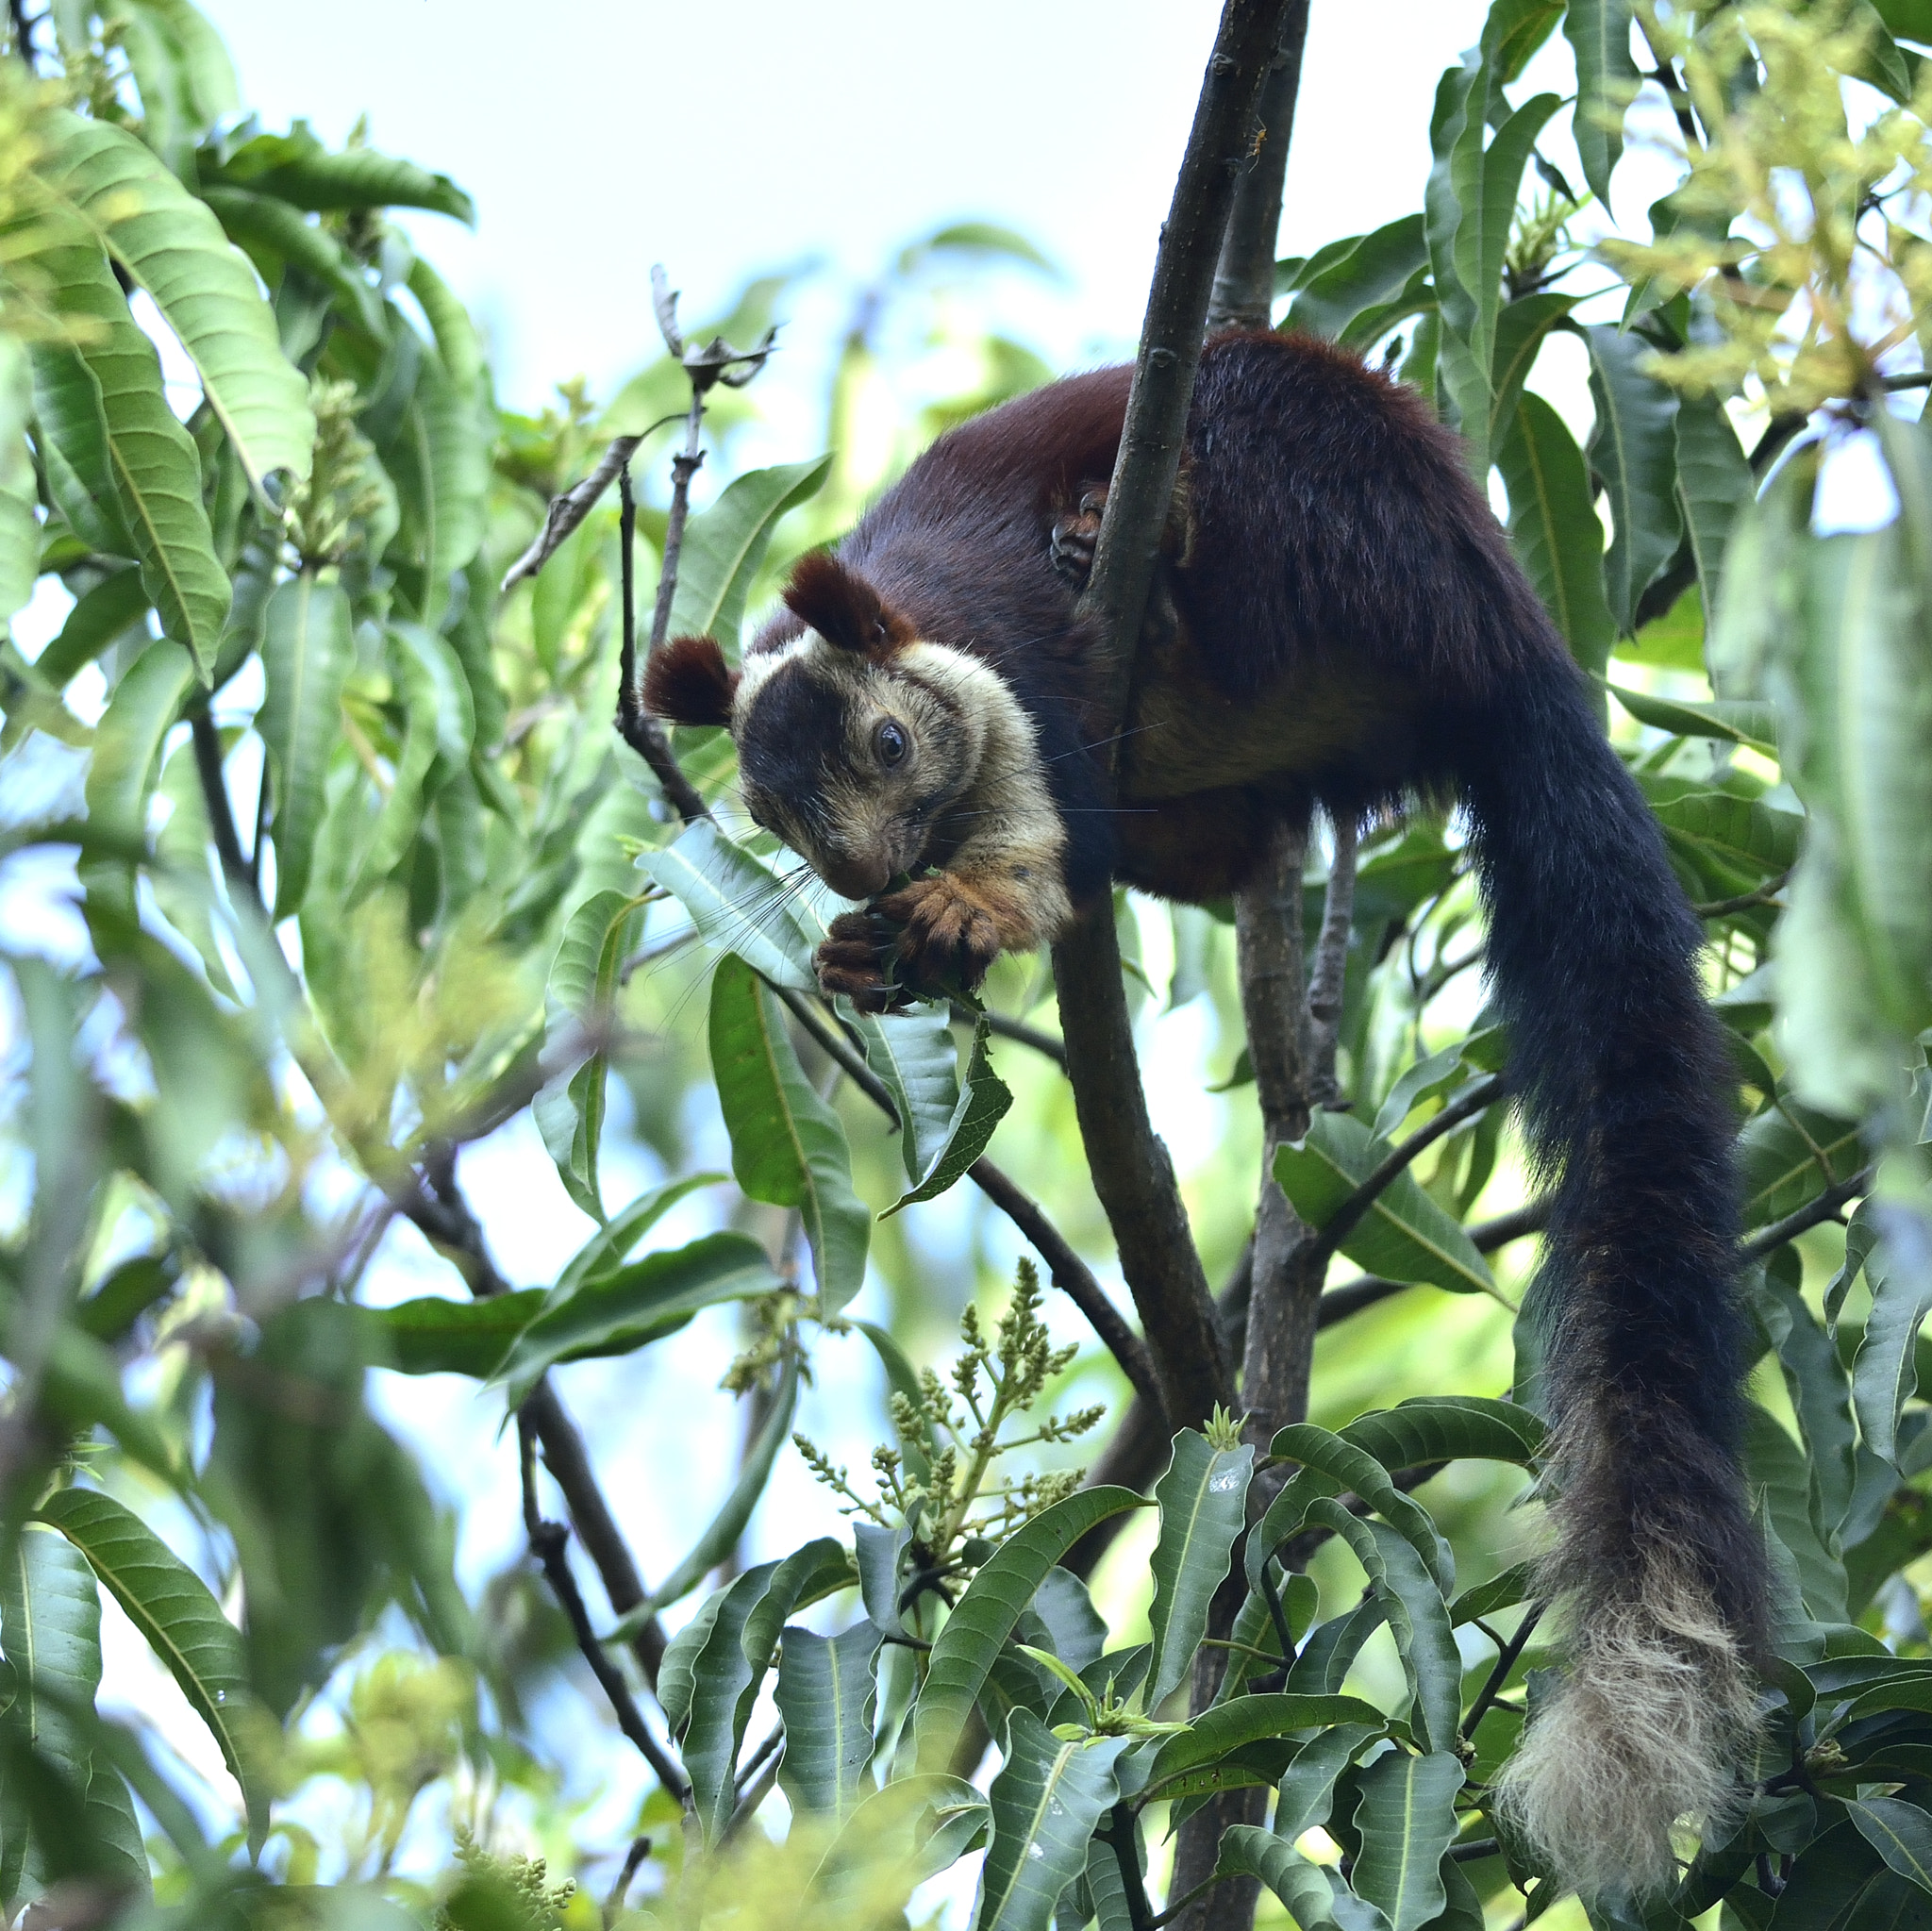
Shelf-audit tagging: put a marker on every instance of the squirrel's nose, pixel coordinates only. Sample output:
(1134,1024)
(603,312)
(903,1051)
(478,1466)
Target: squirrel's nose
(861,876)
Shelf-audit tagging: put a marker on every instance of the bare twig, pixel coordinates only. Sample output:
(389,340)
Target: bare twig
(566,512)
(1765,894)
(206,743)
(550,1544)
(633,1860)
(1072,1275)
(1506,1661)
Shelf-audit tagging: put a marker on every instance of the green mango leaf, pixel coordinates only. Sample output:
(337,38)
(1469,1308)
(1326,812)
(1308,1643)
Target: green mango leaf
(1407,1820)
(1599,31)
(827,1694)
(1778,1475)
(307,650)
(1047,1801)
(1788,1154)
(724,1530)
(1217,1732)
(1405,1236)
(71,434)
(435,1335)
(1350,1467)
(723,1687)
(1307,1786)
(1487,182)
(1416,1613)
(787,1145)
(986,1613)
(1714,483)
(1884,1371)
(677,1677)
(737,904)
(1326,1659)
(183,1624)
(1900,1833)
(296,168)
(438,453)
(1447,1427)
(597,939)
(1728,721)
(19,529)
(422,690)
(1821,1396)
(913,1054)
(1203,1502)
(1740,837)
(640,1302)
(114,439)
(100,617)
(1305,1888)
(1362,277)
(129,739)
(1554,528)
(977,1111)
(106,186)
(262,226)
(1634,449)
(1522,329)
(724,546)
(50,1629)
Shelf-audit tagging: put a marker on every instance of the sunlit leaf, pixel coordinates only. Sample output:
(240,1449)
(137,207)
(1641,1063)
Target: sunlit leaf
(1553,527)
(308,647)
(1046,1801)
(725,545)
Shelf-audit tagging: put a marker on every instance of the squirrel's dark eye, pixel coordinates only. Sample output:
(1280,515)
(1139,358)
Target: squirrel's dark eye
(890,743)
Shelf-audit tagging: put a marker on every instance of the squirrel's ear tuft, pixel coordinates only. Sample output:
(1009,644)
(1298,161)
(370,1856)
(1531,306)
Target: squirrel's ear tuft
(688,682)
(843,609)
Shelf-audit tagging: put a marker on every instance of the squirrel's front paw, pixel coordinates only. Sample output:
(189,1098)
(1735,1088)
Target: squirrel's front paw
(950,934)
(1074,536)
(856,959)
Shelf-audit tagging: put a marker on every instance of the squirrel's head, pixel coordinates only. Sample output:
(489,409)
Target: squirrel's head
(853,737)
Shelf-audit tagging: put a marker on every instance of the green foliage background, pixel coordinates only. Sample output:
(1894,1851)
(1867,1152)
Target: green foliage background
(364,873)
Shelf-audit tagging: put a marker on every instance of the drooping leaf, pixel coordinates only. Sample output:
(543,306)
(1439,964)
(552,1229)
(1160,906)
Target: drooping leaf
(1247,1850)
(1727,719)
(1359,282)
(787,1145)
(1554,528)
(1407,1820)
(1714,484)
(50,1628)
(1634,450)
(637,1303)
(916,1060)
(979,1108)
(307,650)
(128,739)
(1354,1468)
(1884,1372)
(1599,31)
(1900,1833)
(183,1624)
(989,1606)
(263,224)
(1047,1802)
(1447,1427)
(583,982)
(1417,1615)
(736,904)
(19,529)
(1217,1732)
(147,468)
(296,168)
(109,188)
(99,618)
(1203,1499)
(827,1694)
(723,1682)
(1403,1236)
(725,545)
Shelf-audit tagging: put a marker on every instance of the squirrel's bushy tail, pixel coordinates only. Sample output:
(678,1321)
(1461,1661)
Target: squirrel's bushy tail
(1622,1073)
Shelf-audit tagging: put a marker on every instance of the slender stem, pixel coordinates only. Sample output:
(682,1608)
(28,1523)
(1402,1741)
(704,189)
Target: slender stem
(1348,1216)
(206,743)
(1120,1834)
(1824,1207)
(550,1544)
(633,1859)
(684,466)
(1506,1661)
